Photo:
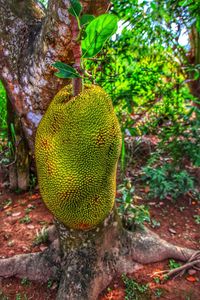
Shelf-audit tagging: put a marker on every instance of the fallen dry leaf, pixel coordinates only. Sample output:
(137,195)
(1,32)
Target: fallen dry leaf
(191,278)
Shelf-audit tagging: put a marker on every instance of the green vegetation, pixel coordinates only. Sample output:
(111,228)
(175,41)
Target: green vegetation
(4,204)
(197,219)
(20,296)
(158,292)
(25,281)
(134,290)
(49,283)
(44,2)
(131,213)
(29,208)
(41,237)
(3,114)
(173,264)
(25,220)
(3,109)
(166,181)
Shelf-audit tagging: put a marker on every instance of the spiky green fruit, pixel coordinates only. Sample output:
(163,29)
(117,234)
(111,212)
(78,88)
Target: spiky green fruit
(77,148)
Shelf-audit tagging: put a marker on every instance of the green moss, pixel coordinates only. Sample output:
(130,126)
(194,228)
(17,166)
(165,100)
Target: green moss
(77,148)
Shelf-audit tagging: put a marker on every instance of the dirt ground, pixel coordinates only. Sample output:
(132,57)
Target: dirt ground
(23,216)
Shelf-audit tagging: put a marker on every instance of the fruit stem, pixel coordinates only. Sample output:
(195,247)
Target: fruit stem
(77,83)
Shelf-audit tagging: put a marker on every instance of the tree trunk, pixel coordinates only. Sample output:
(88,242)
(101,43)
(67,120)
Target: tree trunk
(194,59)
(18,168)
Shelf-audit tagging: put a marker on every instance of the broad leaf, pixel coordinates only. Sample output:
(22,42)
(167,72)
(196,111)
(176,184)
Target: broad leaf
(198,25)
(65,71)
(85,19)
(98,32)
(75,8)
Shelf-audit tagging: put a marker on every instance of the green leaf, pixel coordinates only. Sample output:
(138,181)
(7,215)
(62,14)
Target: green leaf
(75,8)
(196,74)
(153,6)
(98,32)
(198,25)
(65,71)
(85,19)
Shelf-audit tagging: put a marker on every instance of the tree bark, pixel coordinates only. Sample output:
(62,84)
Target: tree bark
(31,39)
(18,168)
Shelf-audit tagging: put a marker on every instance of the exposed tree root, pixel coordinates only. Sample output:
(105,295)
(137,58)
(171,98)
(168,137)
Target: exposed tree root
(89,260)
(147,247)
(34,266)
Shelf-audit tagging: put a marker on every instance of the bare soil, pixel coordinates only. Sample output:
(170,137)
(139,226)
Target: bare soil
(22,216)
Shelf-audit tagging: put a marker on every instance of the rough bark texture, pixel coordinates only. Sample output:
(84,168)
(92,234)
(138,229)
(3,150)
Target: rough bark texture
(18,168)
(31,39)
(35,266)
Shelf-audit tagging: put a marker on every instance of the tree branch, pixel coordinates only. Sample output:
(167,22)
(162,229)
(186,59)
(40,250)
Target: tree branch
(95,7)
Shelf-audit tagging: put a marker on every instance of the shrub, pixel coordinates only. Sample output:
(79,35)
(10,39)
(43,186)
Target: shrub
(166,180)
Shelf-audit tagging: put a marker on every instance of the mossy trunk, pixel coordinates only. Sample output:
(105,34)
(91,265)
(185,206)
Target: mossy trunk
(90,259)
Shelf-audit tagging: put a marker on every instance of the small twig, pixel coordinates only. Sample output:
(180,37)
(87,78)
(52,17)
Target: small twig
(177,270)
(15,159)
(12,163)
(195,255)
(180,270)
(3,152)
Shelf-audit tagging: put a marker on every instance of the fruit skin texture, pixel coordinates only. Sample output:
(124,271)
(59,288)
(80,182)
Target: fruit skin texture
(77,147)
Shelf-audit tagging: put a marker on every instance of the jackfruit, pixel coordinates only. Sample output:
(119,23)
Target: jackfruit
(77,147)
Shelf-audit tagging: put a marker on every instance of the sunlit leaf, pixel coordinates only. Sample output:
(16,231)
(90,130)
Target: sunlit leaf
(191,278)
(98,32)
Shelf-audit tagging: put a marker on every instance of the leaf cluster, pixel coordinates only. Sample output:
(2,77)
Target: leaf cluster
(131,213)
(135,290)
(93,33)
(166,181)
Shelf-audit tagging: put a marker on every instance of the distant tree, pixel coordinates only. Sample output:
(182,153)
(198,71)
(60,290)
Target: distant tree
(167,23)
